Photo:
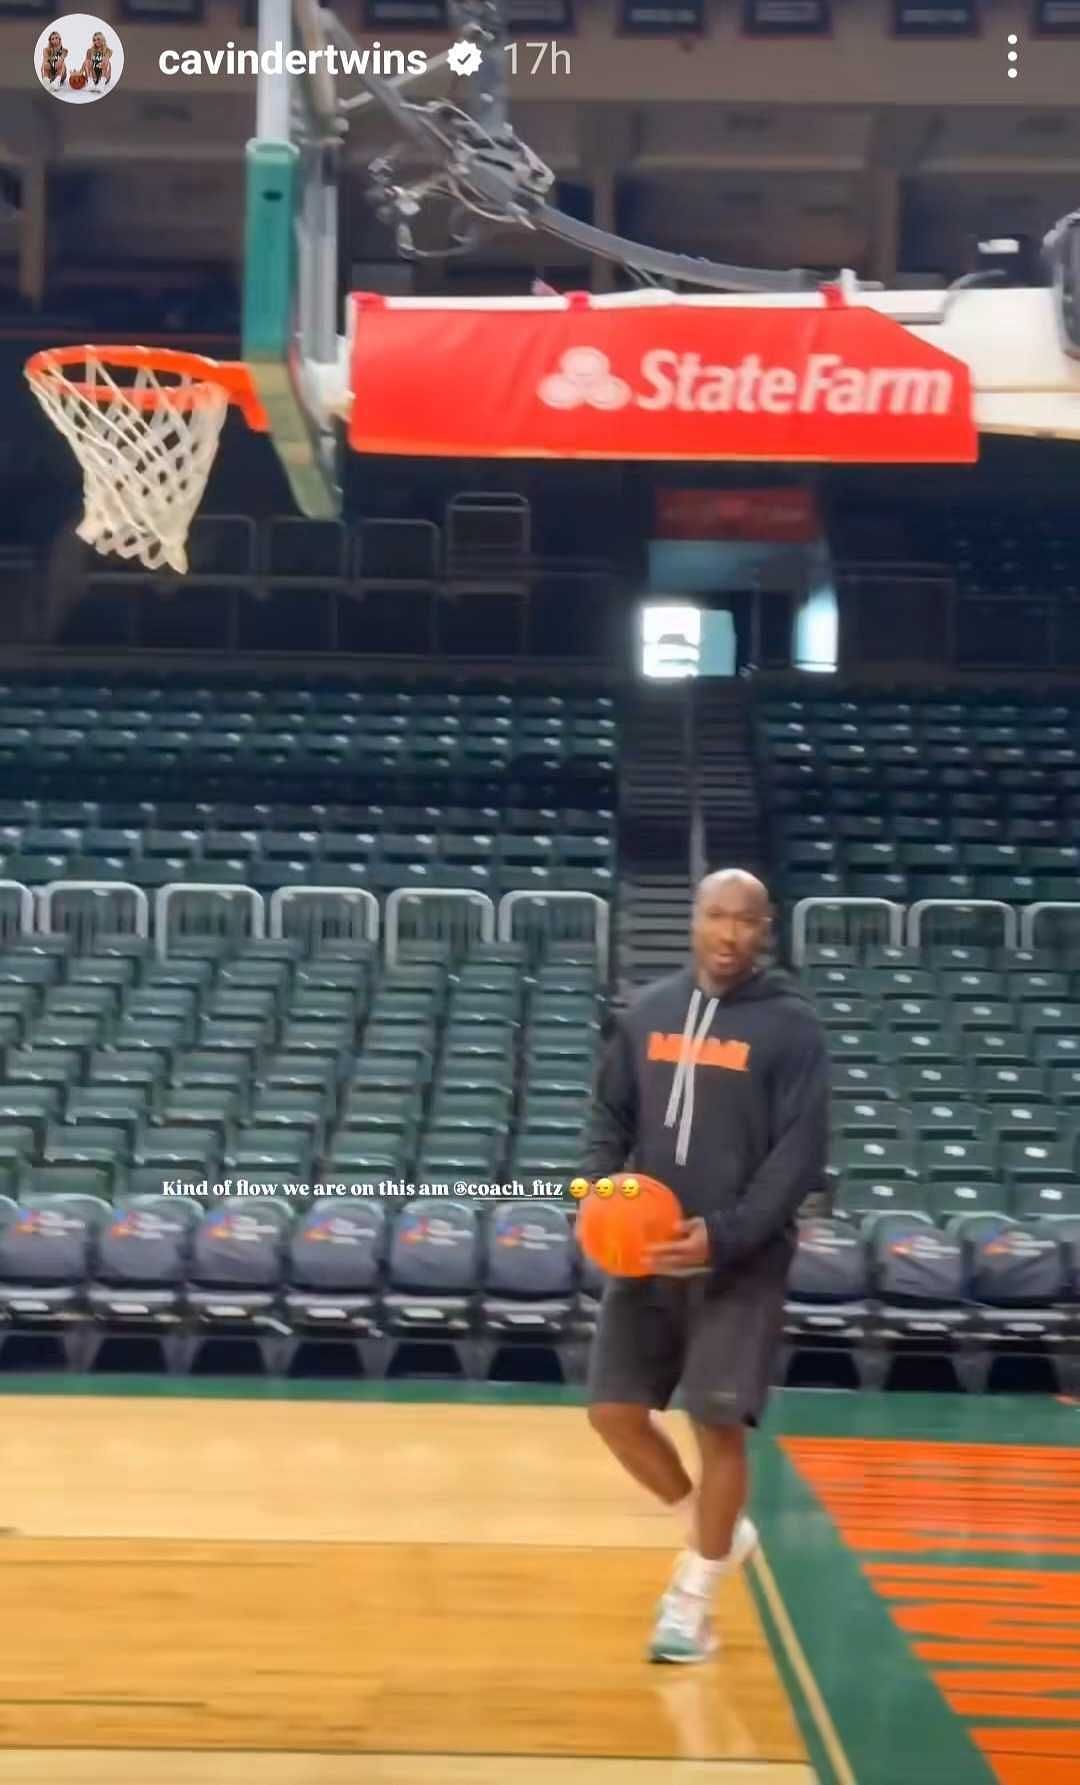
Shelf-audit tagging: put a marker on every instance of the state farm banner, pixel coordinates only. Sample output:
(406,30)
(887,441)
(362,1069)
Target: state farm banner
(775,516)
(815,383)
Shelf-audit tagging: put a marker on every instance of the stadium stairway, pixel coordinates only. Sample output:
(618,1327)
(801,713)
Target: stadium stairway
(655,794)
(652,915)
(726,781)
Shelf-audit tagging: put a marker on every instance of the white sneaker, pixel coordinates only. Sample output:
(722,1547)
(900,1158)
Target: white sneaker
(682,1632)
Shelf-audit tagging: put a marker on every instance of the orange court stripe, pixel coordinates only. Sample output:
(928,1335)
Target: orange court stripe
(1034,1626)
(1001,1654)
(733,1056)
(934,1573)
(1030,1516)
(1023,1769)
(1014,1706)
(876,1537)
(1016,1679)
(909,1450)
(1028,1741)
(972,1487)
(1062,1591)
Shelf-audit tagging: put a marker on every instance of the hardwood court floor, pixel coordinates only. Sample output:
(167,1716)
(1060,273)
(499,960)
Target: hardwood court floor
(220,1591)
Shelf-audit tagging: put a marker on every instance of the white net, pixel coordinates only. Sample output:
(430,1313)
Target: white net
(146,448)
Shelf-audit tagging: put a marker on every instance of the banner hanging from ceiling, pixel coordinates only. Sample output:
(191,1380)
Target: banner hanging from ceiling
(818,383)
(779,516)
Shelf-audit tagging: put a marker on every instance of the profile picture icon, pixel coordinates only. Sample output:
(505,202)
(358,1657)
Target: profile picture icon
(79,58)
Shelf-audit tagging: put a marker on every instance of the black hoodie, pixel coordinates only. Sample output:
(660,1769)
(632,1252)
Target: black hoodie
(725,1099)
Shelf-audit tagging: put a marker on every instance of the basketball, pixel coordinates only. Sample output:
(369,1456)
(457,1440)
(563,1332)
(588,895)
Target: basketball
(77,81)
(620,1218)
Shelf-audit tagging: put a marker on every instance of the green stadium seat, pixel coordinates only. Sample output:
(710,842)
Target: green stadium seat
(856,1199)
(40,1065)
(983,1015)
(1029,1121)
(387,1072)
(320,1005)
(60,1037)
(870,1118)
(911,1047)
(232,1004)
(860,1045)
(271,977)
(274,1151)
(103,1148)
(113,1066)
(1039,1162)
(30,1108)
(147,1005)
(957,1159)
(1051,1018)
(123,1107)
(933,1082)
(1012,1084)
(390,1006)
(984,1048)
(458,1153)
(902,1016)
(948,1120)
(194,976)
(948,1199)
(39,1183)
(1056,1051)
(486,1112)
(355,1156)
(162,1035)
(857,1157)
(410,1040)
(1038,988)
(1065,1086)
(973,986)
(205,1106)
(218,1035)
(841,1012)
(546,1114)
(468,1006)
(184,1149)
(304,1110)
(82,1001)
(1033,1201)
(19,1002)
(416,978)
(901,984)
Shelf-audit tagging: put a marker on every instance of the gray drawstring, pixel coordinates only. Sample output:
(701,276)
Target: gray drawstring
(682,1088)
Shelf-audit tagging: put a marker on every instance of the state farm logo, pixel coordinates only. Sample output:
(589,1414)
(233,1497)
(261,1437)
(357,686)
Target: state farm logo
(584,379)
(823,384)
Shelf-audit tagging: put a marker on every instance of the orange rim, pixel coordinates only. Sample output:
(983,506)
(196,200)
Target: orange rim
(232,376)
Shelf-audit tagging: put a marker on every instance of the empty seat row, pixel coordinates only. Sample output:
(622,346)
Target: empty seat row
(340,1267)
(985,1288)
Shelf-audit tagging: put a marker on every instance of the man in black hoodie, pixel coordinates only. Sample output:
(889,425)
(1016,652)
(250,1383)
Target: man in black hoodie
(716,1081)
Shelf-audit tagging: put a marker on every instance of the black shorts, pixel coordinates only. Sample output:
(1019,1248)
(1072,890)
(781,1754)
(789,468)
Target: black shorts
(715,1343)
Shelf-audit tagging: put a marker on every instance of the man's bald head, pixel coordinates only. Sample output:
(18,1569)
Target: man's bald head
(735,885)
(730,926)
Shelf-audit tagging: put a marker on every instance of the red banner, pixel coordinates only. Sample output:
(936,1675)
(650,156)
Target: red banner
(778,517)
(826,384)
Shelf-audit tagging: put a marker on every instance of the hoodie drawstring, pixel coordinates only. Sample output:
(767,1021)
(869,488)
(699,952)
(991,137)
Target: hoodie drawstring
(682,1088)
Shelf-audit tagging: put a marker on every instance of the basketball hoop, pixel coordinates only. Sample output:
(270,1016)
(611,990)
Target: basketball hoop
(144,424)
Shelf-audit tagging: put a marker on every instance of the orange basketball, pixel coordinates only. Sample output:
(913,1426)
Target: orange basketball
(621,1217)
(78,80)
